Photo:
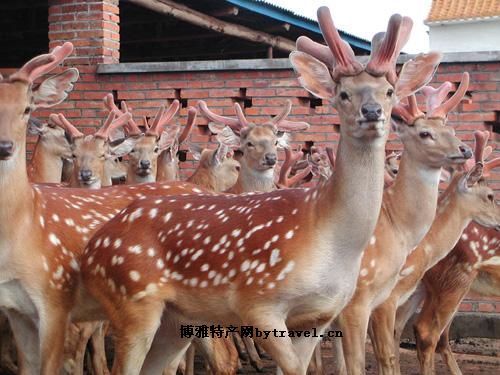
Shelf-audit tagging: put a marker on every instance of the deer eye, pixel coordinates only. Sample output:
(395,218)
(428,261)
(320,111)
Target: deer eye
(390,93)
(27,110)
(344,95)
(250,144)
(491,197)
(73,156)
(156,149)
(424,135)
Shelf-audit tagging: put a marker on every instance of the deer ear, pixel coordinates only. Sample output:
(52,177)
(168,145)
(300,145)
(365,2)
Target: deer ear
(471,177)
(168,137)
(314,76)
(195,150)
(216,128)
(55,89)
(35,127)
(123,148)
(417,73)
(228,138)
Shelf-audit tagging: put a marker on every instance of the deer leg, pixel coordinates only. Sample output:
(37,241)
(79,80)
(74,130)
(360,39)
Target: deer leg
(99,362)
(135,326)
(316,364)
(240,346)
(340,368)
(255,360)
(190,360)
(381,329)
(26,337)
(281,349)
(167,349)
(443,347)
(220,354)
(353,321)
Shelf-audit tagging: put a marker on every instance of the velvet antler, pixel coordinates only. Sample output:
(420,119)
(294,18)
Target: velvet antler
(62,122)
(162,118)
(436,109)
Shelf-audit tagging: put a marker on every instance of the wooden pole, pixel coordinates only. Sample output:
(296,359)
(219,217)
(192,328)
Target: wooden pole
(186,14)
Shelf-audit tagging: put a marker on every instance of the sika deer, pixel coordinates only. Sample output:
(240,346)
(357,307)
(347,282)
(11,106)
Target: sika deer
(258,144)
(44,229)
(51,149)
(287,259)
(408,209)
(473,261)
(91,152)
(465,200)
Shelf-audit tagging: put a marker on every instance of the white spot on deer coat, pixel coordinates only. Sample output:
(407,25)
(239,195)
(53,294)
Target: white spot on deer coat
(134,275)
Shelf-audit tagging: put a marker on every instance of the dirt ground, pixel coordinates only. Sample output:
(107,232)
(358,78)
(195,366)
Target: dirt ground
(474,356)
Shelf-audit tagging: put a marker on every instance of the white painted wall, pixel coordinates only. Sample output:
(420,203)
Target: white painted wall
(465,37)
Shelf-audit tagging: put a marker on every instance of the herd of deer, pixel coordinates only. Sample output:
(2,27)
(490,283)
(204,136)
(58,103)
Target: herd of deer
(233,246)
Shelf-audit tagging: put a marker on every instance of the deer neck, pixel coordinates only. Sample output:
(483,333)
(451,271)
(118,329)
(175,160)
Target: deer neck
(250,179)
(16,197)
(451,220)
(348,204)
(168,169)
(410,204)
(45,166)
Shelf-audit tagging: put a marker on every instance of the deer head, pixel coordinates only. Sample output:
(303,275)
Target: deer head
(425,137)
(362,95)
(156,149)
(52,137)
(91,152)
(258,143)
(217,170)
(19,96)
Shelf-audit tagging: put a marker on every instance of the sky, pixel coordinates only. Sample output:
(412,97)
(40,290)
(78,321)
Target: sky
(364,18)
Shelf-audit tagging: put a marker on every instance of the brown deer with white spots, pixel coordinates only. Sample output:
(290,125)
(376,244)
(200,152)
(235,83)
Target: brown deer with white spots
(51,148)
(408,210)
(43,228)
(466,199)
(216,171)
(258,143)
(154,156)
(283,260)
(472,264)
(90,152)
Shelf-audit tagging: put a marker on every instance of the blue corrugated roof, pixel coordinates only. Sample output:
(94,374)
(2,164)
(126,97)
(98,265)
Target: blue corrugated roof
(285,15)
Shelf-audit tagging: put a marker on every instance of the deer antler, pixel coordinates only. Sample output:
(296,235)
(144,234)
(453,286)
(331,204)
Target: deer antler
(235,124)
(286,125)
(439,110)
(387,46)
(112,123)
(162,118)
(42,64)
(481,152)
(131,126)
(408,112)
(345,61)
(192,114)
(62,122)
(290,159)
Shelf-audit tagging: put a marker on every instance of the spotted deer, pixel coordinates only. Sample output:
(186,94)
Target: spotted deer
(50,150)
(408,209)
(91,152)
(44,228)
(154,157)
(258,144)
(216,170)
(472,264)
(286,259)
(466,199)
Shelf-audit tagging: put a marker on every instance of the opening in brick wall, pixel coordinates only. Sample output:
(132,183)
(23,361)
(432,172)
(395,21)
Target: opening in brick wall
(24,31)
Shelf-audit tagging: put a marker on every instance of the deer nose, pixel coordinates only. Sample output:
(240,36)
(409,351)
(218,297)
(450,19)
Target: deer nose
(6,149)
(270,159)
(145,164)
(85,174)
(371,111)
(466,151)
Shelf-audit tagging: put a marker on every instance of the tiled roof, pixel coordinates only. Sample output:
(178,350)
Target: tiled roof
(457,10)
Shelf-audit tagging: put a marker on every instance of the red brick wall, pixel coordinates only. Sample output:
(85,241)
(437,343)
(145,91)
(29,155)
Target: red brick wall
(93,27)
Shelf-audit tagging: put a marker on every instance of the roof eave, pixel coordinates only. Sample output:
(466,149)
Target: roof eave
(311,25)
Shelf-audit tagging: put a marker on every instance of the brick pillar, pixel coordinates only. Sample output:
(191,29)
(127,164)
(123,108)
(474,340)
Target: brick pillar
(91,25)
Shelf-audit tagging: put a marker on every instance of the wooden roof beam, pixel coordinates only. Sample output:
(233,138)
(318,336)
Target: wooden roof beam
(186,14)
